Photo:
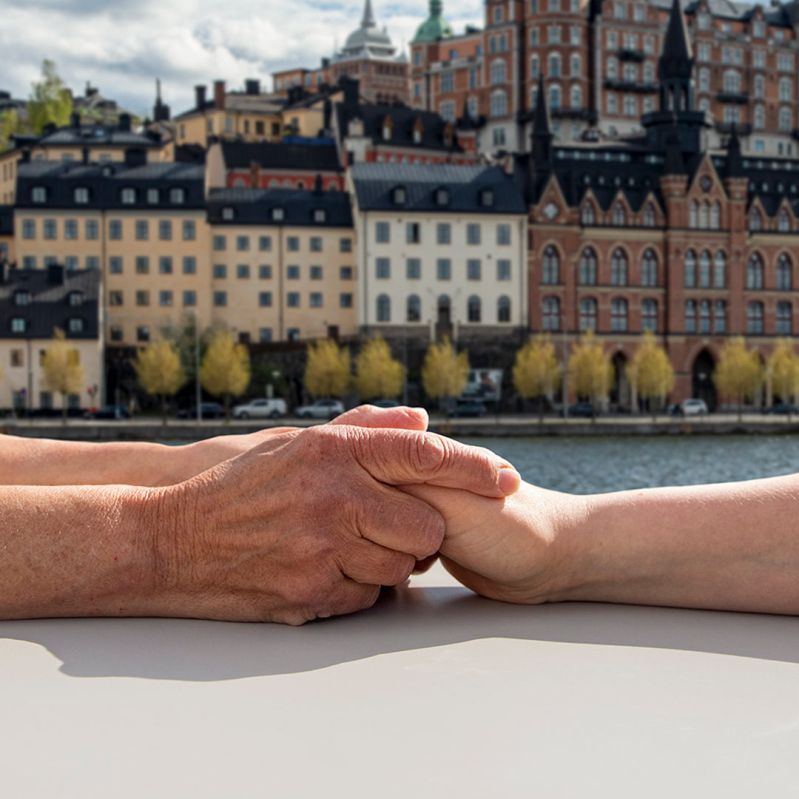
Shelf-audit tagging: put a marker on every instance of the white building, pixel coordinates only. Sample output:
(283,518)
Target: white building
(442,249)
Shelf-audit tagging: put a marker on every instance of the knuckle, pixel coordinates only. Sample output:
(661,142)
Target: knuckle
(429,454)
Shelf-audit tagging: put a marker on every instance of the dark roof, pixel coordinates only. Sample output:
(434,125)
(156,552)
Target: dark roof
(105,183)
(255,207)
(50,291)
(100,136)
(465,187)
(305,157)
(6,220)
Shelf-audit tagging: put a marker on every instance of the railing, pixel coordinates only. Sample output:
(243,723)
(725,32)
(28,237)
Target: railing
(572,112)
(631,54)
(728,128)
(630,86)
(739,98)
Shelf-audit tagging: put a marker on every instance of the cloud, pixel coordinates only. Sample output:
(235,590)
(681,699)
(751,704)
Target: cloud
(122,47)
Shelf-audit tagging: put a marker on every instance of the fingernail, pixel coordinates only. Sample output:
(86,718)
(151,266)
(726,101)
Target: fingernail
(509,480)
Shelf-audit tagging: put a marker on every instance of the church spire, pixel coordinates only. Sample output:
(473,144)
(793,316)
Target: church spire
(368,20)
(676,65)
(542,132)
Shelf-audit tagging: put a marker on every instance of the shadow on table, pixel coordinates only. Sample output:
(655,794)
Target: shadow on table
(406,619)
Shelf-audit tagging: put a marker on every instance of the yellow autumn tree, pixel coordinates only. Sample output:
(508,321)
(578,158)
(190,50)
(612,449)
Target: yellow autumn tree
(9,126)
(537,370)
(445,371)
(377,373)
(650,372)
(590,369)
(328,369)
(225,370)
(160,372)
(62,372)
(783,369)
(739,374)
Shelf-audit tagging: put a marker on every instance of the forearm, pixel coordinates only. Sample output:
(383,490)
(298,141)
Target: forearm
(76,551)
(731,547)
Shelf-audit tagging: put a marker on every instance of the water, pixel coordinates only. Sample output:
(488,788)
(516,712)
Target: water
(594,465)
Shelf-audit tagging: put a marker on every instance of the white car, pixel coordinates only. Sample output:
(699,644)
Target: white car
(261,409)
(693,407)
(321,409)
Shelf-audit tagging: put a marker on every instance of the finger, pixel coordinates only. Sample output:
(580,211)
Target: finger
(399,418)
(472,580)
(349,597)
(404,457)
(423,566)
(370,564)
(397,521)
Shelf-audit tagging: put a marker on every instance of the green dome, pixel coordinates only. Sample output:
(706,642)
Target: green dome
(435,27)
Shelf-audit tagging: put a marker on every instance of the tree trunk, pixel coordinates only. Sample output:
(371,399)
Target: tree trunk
(64,409)
(227,408)
(163,410)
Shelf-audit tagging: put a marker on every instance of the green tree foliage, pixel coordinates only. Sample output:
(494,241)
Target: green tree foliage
(50,100)
(9,126)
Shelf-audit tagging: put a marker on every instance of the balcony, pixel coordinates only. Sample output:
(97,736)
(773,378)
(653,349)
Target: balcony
(728,128)
(738,98)
(628,54)
(630,86)
(573,112)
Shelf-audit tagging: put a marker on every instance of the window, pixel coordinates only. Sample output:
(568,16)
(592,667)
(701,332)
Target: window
(265,243)
(383,233)
(265,299)
(588,314)
(649,216)
(115,230)
(704,270)
(383,268)
(499,104)
(618,268)
(754,318)
(383,308)
(142,230)
(619,214)
(785,90)
(443,269)
(689,276)
(784,319)
(142,334)
(473,234)
(165,299)
(413,269)
(588,215)
(29,228)
(720,270)
(39,195)
(165,230)
(292,272)
(413,309)
(503,270)
(399,195)
(243,271)
(316,244)
(474,309)
(503,309)
(345,300)
(754,272)
(649,315)
(444,233)
(760,117)
(115,265)
(755,220)
(189,265)
(576,97)
(219,243)
(649,269)
(293,244)
(784,273)
(474,269)
(219,271)
(177,196)
(690,316)
(720,316)
(551,314)
(293,299)
(142,265)
(22,298)
(92,229)
(165,265)
(220,299)
(71,229)
(142,298)
(128,196)
(189,298)
(587,273)
(550,267)
(554,97)
(265,272)
(345,245)
(618,315)
(783,221)
(242,243)
(503,235)
(278,214)
(575,65)
(316,299)
(704,317)
(499,72)
(413,233)
(785,120)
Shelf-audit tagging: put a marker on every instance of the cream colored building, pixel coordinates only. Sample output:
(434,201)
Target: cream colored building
(32,306)
(282,263)
(442,250)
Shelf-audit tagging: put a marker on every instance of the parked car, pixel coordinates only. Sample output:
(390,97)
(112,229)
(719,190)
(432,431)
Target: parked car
(782,409)
(261,409)
(583,410)
(385,403)
(692,407)
(109,412)
(467,408)
(321,409)
(210,410)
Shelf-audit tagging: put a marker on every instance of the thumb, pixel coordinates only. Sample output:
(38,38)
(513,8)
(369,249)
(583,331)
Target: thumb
(401,418)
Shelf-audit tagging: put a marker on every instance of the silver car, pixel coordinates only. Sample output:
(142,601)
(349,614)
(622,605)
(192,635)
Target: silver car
(321,409)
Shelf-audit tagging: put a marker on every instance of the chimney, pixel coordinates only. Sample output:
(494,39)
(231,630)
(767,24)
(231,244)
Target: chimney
(199,94)
(55,274)
(125,122)
(219,95)
(252,87)
(25,158)
(135,156)
(74,120)
(352,92)
(49,129)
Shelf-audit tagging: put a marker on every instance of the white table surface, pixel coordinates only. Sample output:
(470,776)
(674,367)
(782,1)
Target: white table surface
(435,693)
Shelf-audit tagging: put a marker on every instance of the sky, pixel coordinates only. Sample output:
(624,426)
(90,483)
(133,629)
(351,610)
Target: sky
(122,46)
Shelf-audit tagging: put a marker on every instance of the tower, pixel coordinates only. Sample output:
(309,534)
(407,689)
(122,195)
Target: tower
(542,131)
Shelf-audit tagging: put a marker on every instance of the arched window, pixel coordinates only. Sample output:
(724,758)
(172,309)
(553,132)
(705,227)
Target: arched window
(760,117)
(613,69)
(704,79)
(720,271)
(720,316)
(784,319)
(754,318)
(575,65)
(551,314)
(690,316)
(649,315)
(784,273)
(503,309)
(650,218)
(588,267)
(618,315)
(576,97)
(704,317)
(413,309)
(755,220)
(732,81)
(499,104)
(499,71)
(618,268)
(383,308)
(535,67)
(587,214)
(554,65)
(785,90)
(693,214)
(754,272)
(690,270)
(715,216)
(704,215)
(474,309)
(785,121)
(649,269)
(619,215)
(704,270)
(550,272)
(588,314)
(783,221)
(554,97)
